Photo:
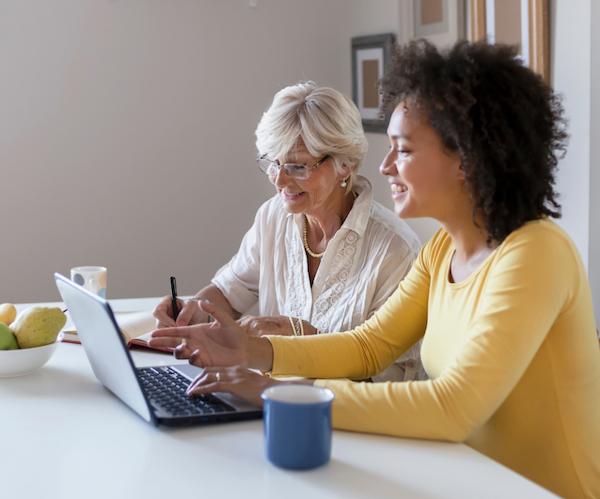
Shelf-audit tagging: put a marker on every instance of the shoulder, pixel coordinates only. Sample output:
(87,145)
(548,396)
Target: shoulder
(387,224)
(435,250)
(541,239)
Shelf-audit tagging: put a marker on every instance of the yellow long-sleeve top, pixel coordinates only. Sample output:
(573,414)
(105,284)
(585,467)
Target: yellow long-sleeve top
(511,351)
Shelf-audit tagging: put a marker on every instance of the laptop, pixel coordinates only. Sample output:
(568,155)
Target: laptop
(157,394)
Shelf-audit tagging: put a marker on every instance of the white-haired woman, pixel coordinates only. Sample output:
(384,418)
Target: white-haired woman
(322,255)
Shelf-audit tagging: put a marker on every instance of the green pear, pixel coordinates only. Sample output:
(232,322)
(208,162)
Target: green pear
(7,338)
(38,326)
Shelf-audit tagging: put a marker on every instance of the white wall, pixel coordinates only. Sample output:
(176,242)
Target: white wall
(570,65)
(594,186)
(575,66)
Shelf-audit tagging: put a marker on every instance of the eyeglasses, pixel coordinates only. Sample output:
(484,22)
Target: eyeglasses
(297,171)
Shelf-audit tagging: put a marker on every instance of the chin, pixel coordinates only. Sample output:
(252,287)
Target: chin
(408,212)
(293,208)
(401,210)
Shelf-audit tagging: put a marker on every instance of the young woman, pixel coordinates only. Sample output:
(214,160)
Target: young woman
(499,295)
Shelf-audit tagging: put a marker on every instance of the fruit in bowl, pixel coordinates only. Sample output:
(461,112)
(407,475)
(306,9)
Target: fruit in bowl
(29,341)
(8,313)
(38,326)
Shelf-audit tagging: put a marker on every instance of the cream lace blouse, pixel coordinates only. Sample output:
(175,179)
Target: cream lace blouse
(361,268)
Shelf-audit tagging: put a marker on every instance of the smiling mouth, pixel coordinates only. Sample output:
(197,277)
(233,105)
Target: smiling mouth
(291,195)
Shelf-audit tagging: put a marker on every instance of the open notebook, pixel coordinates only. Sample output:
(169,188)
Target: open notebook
(135,326)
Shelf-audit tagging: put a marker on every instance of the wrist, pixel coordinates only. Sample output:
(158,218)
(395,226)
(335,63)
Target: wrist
(297,326)
(260,354)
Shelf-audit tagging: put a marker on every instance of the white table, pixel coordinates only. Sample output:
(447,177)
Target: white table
(64,436)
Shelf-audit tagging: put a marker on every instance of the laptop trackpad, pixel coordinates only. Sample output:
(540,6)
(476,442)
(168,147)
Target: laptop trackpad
(190,372)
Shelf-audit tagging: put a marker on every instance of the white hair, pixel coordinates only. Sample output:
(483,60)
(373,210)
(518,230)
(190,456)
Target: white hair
(327,121)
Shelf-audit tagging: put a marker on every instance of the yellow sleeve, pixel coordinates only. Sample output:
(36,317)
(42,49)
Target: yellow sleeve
(531,282)
(371,347)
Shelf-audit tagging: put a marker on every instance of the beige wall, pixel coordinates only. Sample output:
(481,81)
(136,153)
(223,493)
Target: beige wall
(127,137)
(128,132)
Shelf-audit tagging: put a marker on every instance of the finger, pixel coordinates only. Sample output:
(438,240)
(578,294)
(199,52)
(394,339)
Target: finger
(183,351)
(207,388)
(218,313)
(163,313)
(200,378)
(214,377)
(199,358)
(164,342)
(186,313)
(179,332)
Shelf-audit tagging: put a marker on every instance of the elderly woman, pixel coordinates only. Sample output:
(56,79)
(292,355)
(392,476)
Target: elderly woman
(499,294)
(322,255)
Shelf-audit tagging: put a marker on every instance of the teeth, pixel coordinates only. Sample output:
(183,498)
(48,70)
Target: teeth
(399,188)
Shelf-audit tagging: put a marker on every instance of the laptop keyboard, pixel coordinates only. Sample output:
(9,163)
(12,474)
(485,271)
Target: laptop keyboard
(165,388)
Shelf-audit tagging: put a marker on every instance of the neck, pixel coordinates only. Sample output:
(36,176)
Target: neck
(325,222)
(468,234)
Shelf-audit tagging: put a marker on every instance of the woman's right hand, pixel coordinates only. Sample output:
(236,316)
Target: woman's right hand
(189,313)
(221,343)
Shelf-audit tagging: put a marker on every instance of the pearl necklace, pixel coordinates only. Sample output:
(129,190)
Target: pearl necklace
(305,241)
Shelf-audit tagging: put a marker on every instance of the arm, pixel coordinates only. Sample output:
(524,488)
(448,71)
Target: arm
(396,264)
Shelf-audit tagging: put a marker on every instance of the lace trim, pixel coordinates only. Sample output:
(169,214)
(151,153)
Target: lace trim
(335,284)
(295,284)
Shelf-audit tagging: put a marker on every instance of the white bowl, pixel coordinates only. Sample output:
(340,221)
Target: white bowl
(24,360)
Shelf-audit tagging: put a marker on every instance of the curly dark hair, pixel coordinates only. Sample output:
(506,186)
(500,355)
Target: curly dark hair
(505,123)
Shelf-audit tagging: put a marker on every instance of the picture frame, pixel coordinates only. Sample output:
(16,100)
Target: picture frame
(441,22)
(370,56)
(525,23)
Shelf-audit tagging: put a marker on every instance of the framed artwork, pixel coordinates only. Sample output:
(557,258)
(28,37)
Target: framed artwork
(370,56)
(442,22)
(524,23)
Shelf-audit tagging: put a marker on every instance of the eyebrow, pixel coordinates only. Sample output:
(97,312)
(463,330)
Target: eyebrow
(401,136)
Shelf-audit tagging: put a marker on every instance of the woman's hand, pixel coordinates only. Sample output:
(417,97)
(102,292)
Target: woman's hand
(190,313)
(275,325)
(264,325)
(220,343)
(237,380)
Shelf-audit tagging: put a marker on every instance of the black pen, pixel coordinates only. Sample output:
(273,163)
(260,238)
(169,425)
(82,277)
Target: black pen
(174,305)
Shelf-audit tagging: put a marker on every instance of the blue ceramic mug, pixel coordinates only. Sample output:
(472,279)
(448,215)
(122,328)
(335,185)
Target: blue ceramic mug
(297,424)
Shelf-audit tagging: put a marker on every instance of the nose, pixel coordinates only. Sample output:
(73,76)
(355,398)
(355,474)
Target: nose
(280,178)
(388,165)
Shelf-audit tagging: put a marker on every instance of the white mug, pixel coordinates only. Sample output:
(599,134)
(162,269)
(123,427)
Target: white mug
(93,279)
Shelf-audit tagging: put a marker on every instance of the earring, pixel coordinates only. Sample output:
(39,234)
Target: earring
(344,183)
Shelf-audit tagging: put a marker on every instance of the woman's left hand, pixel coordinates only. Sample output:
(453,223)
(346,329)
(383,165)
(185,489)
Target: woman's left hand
(265,325)
(272,325)
(236,380)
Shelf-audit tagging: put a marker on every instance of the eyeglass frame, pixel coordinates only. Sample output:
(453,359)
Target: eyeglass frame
(285,167)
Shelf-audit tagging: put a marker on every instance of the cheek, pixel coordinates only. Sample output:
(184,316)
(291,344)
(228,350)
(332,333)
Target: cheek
(320,187)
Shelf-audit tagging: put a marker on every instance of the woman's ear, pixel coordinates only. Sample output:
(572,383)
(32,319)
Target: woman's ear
(345,171)
(461,174)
